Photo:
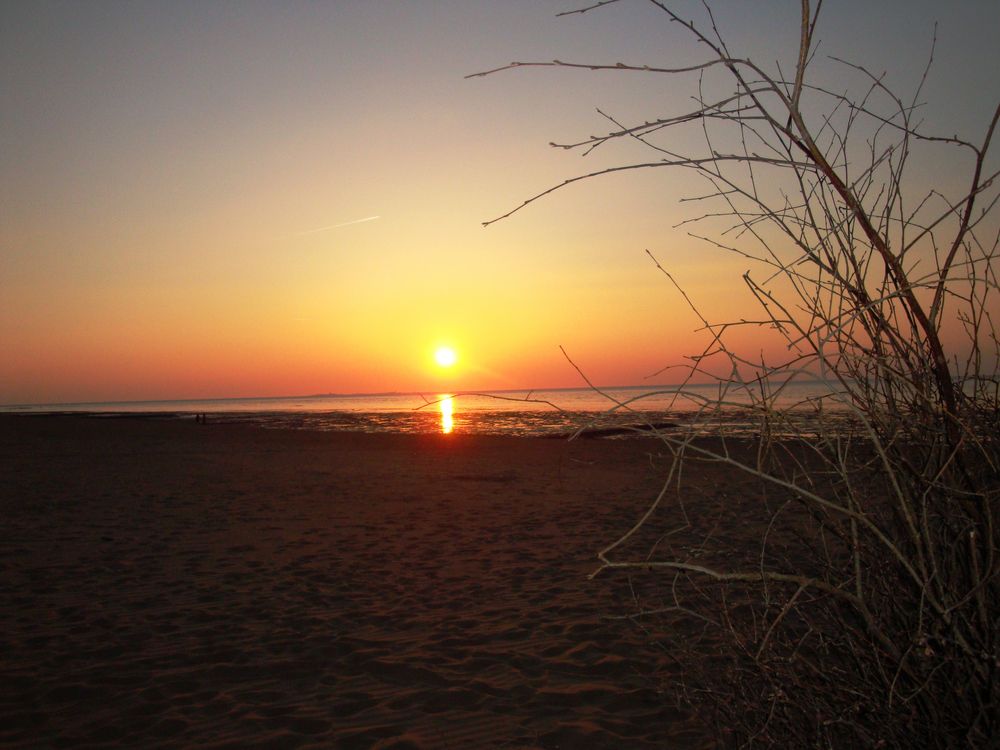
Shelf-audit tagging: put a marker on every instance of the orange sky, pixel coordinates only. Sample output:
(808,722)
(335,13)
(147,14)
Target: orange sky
(183,187)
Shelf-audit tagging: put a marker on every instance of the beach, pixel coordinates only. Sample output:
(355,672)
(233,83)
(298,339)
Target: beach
(176,584)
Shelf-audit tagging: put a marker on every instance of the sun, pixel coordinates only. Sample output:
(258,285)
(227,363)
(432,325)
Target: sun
(445,356)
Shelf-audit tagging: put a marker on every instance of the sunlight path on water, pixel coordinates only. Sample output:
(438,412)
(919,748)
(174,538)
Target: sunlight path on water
(447,408)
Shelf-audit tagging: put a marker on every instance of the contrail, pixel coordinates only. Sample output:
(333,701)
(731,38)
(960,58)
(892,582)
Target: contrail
(337,226)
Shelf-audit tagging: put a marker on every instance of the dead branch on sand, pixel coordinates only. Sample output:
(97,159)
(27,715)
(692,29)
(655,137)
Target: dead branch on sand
(868,611)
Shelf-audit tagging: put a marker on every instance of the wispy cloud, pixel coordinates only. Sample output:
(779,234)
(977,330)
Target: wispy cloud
(337,226)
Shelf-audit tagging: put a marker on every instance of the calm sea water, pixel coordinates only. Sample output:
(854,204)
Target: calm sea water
(544,412)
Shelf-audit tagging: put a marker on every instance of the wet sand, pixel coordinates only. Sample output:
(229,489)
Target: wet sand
(172,584)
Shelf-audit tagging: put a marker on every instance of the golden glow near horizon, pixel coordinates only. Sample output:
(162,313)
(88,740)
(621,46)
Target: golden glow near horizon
(264,226)
(445,356)
(447,405)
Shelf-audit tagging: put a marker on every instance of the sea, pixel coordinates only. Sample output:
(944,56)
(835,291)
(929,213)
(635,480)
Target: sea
(613,412)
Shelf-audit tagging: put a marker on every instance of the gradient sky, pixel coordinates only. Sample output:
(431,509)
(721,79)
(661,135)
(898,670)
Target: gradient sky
(183,184)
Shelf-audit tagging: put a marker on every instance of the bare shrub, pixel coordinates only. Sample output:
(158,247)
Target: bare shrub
(866,610)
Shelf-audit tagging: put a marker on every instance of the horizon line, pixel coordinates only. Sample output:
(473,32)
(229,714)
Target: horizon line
(421,393)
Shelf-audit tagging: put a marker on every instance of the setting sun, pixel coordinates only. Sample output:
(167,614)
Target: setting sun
(445,356)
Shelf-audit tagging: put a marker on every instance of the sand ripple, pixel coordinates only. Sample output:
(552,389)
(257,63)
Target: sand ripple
(169,585)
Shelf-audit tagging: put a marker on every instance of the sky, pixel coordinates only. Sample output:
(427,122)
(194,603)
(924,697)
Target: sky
(217,199)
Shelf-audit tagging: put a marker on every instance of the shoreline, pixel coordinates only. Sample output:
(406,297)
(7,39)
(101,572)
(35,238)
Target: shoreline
(737,423)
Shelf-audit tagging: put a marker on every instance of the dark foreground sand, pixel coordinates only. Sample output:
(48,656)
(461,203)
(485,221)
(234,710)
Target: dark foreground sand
(174,584)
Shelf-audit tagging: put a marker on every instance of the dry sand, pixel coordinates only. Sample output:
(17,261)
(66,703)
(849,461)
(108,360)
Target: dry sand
(176,584)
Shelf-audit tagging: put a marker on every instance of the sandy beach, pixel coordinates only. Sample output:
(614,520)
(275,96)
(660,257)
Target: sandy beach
(171,584)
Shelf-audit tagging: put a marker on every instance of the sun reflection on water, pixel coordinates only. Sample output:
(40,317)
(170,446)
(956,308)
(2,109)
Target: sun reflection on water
(447,408)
